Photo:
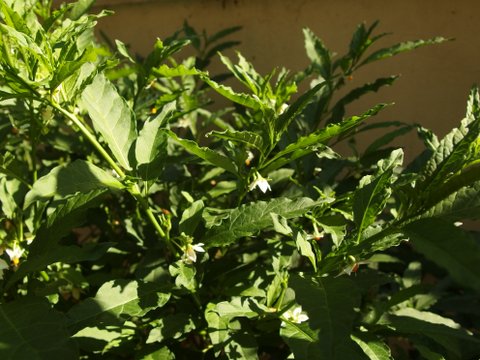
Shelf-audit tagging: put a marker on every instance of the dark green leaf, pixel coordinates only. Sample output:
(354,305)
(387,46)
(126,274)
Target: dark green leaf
(295,109)
(248,138)
(448,246)
(443,331)
(31,329)
(115,302)
(319,137)
(250,218)
(399,48)
(330,304)
(338,110)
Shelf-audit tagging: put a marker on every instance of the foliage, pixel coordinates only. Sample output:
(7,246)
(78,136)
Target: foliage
(140,221)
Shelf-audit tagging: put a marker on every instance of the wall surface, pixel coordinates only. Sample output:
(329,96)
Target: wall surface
(434,81)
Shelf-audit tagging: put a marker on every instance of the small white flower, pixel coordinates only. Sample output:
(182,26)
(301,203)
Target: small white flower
(282,109)
(259,182)
(295,315)
(190,254)
(15,254)
(3,267)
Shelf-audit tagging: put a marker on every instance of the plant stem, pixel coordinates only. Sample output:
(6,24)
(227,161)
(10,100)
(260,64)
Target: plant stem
(92,139)
(134,190)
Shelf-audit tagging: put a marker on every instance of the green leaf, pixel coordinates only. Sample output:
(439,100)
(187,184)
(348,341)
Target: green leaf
(370,199)
(171,326)
(44,250)
(312,140)
(295,109)
(31,329)
(338,110)
(150,146)
(303,341)
(111,117)
(163,353)
(250,218)
(374,349)
(217,326)
(248,138)
(399,48)
(305,248)
(80,8)
(115,302)
(65,180)
(122,49)
(191,217)
(204,153)
(330,304)
(239,98)
(179,70)
(448,246)
(443,331)
(318,53)
(460,205)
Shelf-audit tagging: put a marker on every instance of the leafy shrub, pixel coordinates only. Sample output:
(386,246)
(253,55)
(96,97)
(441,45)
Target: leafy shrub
(139,221)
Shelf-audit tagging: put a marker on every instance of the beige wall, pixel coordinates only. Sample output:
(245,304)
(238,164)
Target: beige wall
(435,80)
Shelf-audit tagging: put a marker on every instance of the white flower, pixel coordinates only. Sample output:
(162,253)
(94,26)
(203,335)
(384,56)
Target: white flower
(259,182)
(3,267)
(15,254)
(190,254)
(295,315)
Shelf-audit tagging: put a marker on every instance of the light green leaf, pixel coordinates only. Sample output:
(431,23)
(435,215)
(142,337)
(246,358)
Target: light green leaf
(217,326)
(204,153)
(163,353)
(65,180)
(239,307)
(239,98)
(374,349)
(179,70)
(122,49)
(250,218)
(448,246)
(305,247)
(31,329)
(111,117)
(191,217)
(117,301)
(150,146)
(318,53)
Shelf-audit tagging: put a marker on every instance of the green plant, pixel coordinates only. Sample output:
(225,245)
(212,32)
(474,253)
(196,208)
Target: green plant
(142,222)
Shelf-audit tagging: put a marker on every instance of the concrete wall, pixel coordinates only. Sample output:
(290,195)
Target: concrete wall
(435,80)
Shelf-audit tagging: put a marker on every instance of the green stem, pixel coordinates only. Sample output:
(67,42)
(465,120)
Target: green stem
(90,137)
(134,190)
